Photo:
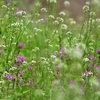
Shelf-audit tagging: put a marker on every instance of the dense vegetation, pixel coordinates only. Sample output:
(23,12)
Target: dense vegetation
(46,55)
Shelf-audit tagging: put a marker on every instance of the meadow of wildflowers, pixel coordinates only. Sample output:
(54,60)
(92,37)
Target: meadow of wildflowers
(46,55)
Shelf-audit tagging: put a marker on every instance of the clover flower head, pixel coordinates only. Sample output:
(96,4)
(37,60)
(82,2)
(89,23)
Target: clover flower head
(20,81)
(30,67)
(70,81)
(98,50)
(21,44)
(8,76)
(20,59)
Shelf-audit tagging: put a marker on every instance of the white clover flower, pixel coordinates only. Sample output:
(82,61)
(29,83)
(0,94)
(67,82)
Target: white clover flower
(50,45)
(60,19)
(43,58)
(64,26)
(66,3)
(25,63)
(45,62)
(51,16)
(53,56)
(43,10)
(33,61)
(62,13)
(21,13)
(37,49)
(40,20)
(73,22)
(86,8)
(98,20)
(55,31)
(69,32)
(52,1)
(4,6)
(90,73)
(47,41)
(17,24)
(56,22)
(91,21)
(85,60)
(92,13)
(13,68)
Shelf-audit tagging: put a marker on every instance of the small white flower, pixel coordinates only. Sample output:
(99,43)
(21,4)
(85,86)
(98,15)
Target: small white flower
(13,68)
(64,27)
(85,59)
(52,1)
(56,22)
(66,3)
(21,13)
(62,13)
(53,56)
(43,10)
(92,14)
(33,61)
(4,6)
(86,8)
(60,19)
(51,16)
(98,20)
(40,20)
(43,58)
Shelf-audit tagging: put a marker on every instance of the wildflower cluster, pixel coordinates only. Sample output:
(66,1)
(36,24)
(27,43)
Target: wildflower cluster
(48,55)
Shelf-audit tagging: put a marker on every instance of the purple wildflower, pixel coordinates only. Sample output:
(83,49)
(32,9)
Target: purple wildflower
(18,75)
(20,81)
(21,72)
(98,68)
(30,67)
(98,50)
(20,59)
(8,76)
(29,83)
(95,65)
(70,81)
(90,57)
(21,44)
(91,64)
(60,75)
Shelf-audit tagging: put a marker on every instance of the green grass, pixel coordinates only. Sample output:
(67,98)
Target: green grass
(49,56)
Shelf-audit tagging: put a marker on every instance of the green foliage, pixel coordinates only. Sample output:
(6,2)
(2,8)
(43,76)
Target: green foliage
(48,56)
